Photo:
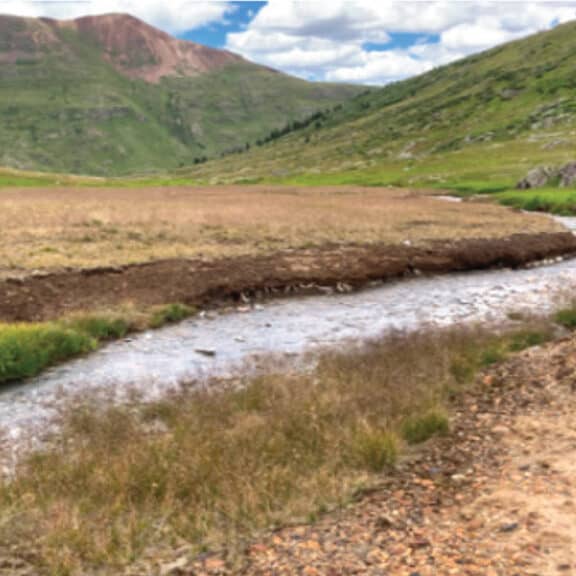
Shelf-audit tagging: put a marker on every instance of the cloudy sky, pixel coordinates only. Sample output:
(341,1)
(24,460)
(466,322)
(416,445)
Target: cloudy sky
(363,41)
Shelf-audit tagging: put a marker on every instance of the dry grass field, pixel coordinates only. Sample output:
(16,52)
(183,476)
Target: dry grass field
(89,227)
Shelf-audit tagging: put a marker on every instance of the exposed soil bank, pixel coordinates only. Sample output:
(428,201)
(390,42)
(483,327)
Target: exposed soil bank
(193,282)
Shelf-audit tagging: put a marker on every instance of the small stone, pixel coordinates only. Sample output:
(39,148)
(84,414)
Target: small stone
(206,352)
(511,527)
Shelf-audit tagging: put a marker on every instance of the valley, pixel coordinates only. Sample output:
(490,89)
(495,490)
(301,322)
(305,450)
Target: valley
(255,324)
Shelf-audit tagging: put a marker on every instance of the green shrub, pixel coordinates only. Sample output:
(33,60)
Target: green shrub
(492,355)
(419,428)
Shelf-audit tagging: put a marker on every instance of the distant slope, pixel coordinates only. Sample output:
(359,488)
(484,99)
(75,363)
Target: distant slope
(490,116)
(110,95)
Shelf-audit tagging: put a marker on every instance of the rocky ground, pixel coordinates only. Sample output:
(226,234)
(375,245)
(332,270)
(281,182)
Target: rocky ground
(497,497)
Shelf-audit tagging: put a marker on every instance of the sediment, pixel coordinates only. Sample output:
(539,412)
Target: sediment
(50,294)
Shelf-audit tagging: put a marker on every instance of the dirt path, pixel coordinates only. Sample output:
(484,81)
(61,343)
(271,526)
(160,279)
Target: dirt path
(497,498)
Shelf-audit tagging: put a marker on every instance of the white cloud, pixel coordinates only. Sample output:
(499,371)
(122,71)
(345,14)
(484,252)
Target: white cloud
(326,39)
(168,15)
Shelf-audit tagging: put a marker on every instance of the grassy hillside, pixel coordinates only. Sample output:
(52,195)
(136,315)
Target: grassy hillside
(65,108)
(479,123)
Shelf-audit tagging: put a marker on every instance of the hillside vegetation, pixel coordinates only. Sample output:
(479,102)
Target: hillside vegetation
(479,123)
(89,97)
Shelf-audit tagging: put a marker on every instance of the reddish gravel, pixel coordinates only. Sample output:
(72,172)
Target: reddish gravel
(497,498)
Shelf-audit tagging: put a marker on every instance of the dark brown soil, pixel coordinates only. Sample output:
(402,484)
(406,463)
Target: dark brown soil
(49,295)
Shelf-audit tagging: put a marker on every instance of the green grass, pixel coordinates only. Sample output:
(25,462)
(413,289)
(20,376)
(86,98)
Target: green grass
(418,429)
(28,349)
(566,317)
(477,125)
(554,200)
(170,314)
(70,111)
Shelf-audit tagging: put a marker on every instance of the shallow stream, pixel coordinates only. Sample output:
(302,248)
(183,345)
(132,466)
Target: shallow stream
(217,344)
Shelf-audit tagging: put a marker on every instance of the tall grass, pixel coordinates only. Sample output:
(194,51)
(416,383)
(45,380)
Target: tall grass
(210,467)
(28,349)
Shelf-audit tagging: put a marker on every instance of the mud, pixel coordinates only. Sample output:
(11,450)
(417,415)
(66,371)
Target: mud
(46,295)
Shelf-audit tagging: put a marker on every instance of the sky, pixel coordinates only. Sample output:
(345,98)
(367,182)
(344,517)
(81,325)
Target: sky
(361,41)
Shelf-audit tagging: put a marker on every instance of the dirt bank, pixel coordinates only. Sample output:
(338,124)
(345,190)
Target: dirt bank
(48,295)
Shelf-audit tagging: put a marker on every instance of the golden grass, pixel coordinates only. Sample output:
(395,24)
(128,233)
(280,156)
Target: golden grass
(72,227)
(203,469)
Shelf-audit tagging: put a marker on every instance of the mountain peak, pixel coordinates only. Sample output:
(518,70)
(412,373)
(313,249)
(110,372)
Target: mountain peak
(139,50)
(134,48)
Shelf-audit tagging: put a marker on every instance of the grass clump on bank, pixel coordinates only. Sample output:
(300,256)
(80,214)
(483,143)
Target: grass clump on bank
(566,317)
(554,200)
(28,349)
(209,468)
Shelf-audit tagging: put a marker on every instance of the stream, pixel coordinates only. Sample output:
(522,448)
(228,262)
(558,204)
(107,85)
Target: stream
(218,344)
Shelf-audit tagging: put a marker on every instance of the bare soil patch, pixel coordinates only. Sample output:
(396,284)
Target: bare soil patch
(42,296)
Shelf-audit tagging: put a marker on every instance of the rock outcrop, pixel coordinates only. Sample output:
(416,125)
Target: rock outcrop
(564,177)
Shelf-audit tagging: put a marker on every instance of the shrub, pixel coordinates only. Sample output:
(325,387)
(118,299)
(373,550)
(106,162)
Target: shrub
(528,338)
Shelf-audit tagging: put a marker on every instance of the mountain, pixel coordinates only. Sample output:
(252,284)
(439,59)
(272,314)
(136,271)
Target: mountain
(111,95)
(481,122)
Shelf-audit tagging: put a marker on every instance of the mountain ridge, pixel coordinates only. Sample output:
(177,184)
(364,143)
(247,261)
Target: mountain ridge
(491,115)
(110,95)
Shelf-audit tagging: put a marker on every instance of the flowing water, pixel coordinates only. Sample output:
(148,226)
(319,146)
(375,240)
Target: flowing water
(217,344)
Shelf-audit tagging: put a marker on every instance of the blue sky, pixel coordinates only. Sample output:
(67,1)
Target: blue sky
(361,41)
(215,33)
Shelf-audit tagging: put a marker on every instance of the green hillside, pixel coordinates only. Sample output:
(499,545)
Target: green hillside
(64,107)
(479,123)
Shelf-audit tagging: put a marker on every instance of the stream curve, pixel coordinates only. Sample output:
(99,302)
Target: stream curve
(219,343)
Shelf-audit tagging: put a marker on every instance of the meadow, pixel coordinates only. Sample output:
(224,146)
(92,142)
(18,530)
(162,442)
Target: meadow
(70,227)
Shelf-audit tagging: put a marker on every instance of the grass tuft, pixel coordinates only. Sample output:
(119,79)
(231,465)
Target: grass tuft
(374,449)
(566,317)
(418,429)
(170,314)
(100,327)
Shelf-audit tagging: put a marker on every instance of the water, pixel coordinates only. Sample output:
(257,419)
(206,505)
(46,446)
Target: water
(156,361)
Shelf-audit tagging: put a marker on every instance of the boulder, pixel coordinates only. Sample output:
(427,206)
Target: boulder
(537,178)
(567,175)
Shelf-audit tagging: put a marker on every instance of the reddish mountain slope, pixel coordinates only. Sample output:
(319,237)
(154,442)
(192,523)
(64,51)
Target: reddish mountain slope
(141,51)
